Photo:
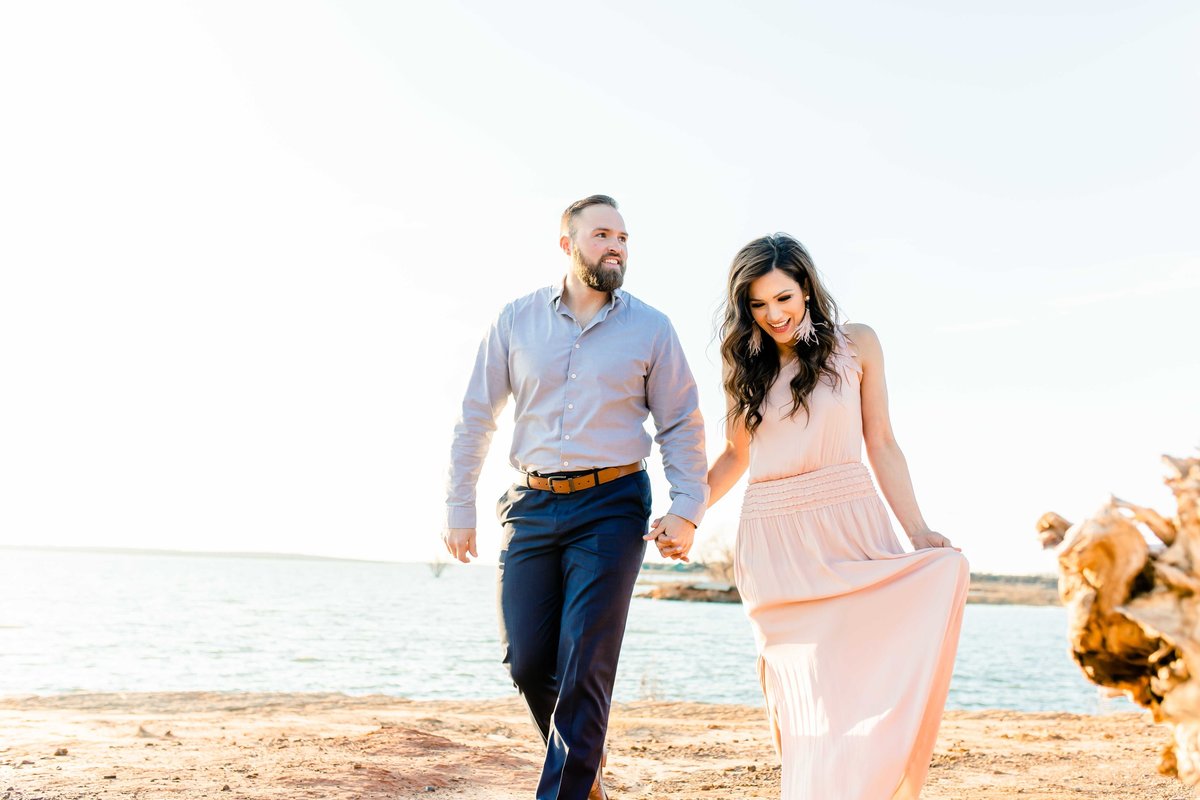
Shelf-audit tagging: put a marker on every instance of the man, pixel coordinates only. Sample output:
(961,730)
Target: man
(585,362)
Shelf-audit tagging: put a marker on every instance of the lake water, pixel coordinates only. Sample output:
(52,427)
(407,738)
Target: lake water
(76,621)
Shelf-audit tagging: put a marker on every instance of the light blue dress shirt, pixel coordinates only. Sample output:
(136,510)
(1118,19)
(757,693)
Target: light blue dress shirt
(581,397)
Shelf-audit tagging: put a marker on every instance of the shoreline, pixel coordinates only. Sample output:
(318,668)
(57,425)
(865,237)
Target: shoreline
(195,744)
(986,589)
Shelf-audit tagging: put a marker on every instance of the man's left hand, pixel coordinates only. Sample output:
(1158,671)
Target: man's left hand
(673,536)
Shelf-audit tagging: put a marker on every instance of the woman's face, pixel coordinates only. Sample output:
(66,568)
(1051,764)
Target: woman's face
(777,303)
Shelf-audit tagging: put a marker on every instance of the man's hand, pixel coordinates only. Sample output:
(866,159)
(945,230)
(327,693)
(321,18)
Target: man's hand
(673,536)
(460,542)
(926,539)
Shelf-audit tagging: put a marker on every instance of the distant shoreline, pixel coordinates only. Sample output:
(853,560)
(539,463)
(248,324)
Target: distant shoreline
(1022,590)
(648,567)
(986,589)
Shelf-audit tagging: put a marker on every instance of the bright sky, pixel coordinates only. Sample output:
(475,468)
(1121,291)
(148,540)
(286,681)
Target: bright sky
(248,249)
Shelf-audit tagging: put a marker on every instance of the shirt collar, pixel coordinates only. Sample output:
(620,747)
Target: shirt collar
(556,293)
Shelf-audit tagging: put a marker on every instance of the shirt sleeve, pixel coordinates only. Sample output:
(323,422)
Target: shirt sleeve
(487,393)
(674,404)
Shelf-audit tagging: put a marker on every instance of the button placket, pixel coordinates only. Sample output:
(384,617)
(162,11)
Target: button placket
(573,375)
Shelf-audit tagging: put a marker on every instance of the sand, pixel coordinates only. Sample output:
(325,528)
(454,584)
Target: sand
(200,745)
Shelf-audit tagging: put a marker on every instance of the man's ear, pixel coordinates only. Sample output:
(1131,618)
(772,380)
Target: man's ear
(564,242)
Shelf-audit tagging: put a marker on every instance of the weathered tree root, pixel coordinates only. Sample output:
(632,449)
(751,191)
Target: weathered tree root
(1134,610)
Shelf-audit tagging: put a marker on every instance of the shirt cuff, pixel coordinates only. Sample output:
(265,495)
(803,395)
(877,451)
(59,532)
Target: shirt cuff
(690,509)
(460,516)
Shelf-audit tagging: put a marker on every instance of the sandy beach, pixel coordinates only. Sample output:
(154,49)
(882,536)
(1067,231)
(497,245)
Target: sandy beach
(202,745)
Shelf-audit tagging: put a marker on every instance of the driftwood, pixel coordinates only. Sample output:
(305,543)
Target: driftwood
(1134,608)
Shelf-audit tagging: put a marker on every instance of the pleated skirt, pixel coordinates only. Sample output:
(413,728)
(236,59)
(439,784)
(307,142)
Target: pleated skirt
(856,638)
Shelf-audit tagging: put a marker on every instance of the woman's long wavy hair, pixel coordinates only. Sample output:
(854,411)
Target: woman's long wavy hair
(749,375)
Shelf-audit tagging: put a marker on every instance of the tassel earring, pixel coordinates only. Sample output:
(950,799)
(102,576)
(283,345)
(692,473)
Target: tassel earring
(755,346)
(806,331)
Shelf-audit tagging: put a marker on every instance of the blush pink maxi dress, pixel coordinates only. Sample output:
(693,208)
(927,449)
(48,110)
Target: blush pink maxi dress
(856,638)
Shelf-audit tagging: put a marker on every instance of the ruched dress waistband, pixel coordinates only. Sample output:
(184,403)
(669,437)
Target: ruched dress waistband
(809,490)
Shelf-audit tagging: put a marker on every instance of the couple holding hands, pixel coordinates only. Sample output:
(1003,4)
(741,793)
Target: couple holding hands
(856,637)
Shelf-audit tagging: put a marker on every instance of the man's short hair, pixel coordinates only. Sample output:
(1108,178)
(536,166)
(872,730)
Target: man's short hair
(568,218)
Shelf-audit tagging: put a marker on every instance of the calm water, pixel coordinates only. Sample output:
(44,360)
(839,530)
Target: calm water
(113,622)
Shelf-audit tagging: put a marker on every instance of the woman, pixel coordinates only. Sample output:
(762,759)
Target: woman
(856,637)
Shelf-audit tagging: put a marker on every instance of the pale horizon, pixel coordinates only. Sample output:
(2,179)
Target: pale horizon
(444,559)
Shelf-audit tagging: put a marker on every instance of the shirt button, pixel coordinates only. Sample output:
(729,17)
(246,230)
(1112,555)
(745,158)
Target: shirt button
(576,347)
(572,376)
(570,405)
(566,463)
(568,436)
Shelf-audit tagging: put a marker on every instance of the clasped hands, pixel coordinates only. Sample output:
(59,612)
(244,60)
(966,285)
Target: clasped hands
(672,535)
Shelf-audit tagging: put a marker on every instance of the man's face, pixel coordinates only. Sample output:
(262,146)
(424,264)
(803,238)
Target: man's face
(599,248)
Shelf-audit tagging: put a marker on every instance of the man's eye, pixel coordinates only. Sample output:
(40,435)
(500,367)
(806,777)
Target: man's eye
(601,236)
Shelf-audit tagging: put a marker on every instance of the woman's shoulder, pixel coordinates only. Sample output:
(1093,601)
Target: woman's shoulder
(861,338)
(858,344)
(858,332)
(862,341)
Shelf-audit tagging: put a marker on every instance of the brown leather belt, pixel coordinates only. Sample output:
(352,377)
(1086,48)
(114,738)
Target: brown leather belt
(566,484)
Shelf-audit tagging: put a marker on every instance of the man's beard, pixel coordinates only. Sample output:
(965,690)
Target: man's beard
(597,276)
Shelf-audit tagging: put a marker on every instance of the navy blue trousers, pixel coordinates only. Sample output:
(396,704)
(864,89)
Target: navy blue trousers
(568,564)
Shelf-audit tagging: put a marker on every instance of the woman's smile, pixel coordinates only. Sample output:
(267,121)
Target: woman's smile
(781,329)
